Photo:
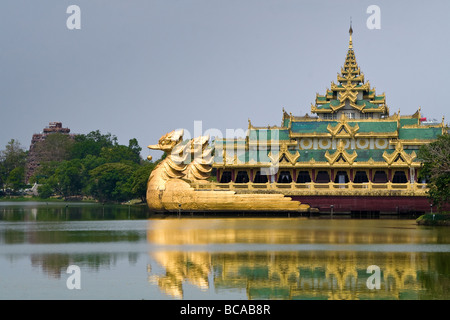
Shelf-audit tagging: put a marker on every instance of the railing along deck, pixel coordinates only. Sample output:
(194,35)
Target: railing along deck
(314,187)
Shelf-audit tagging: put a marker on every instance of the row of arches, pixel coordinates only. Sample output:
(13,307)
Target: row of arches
(321,176)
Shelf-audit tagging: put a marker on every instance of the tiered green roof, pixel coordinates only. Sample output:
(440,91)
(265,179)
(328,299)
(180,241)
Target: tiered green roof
(350,90)
(390,135)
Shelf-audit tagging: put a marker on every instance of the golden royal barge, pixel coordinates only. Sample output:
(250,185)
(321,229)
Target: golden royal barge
(350,156)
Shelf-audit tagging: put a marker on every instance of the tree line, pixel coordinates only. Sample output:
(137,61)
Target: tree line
(92,165)
(435,169)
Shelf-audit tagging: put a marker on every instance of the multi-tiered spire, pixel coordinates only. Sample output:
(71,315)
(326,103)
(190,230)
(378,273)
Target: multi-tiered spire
(350,31)
(351,71)
(350,90)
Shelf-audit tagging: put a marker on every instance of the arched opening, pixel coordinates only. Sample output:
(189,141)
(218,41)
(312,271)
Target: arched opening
(242,177)
(323,177)
(399,177)
(380,177)
(341,177)
(303,177)
(284,177)
(226,177)
(260,178)
(360,177)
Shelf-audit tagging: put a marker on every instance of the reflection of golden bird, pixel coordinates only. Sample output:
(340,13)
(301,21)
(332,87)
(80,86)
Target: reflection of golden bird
(149,158)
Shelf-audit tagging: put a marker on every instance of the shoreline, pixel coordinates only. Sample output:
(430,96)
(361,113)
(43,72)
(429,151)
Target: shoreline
(134,202)
(436,219)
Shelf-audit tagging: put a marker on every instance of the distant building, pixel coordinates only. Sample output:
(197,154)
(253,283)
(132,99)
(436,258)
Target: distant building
(33,156)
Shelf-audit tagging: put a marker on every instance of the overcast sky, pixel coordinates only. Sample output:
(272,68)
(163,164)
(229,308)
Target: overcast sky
(141,68)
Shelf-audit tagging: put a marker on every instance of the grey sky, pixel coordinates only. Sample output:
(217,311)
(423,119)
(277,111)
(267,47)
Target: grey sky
(141,68)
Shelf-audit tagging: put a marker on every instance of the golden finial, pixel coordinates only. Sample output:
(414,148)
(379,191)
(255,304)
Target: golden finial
(350,31)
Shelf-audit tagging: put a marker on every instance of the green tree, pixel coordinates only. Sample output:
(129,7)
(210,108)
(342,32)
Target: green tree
(111,182)
(91,144)
(14,156)
(69,178)
(435,170)
(119,153)
(16,179)
(139,180)
(45,191)
(3,174)
(44,171)
(134,147)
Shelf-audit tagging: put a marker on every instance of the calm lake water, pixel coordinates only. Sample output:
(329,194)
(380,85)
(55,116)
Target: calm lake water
(123,252)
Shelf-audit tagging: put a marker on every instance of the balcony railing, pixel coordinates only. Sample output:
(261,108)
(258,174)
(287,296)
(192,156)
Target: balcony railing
(314,187)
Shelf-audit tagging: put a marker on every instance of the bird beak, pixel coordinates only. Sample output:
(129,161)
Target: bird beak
(154,147)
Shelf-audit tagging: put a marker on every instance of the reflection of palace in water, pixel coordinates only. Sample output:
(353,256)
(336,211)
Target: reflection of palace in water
(260,258)
(292,275)
(275,274)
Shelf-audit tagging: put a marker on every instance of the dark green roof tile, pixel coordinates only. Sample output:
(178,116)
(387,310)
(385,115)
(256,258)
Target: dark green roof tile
(311,126)
(268,134)
(377,126)
(420,133)
(307,155)
(366,155)
(408,121)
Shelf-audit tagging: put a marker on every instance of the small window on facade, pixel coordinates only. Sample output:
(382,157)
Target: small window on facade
(284,177)
(380,177)
(260,178)
(226,177)
(360,177)
(399,177)
(323,177)
(341,177)
(368,115)
(350,115)
(303,177)
(242,177)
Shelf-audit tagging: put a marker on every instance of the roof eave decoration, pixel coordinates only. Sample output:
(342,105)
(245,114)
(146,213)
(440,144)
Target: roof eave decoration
(399,157)
(284,155)
(341,155)
(250,126)
(343,129)
(285,116)
(417,114)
